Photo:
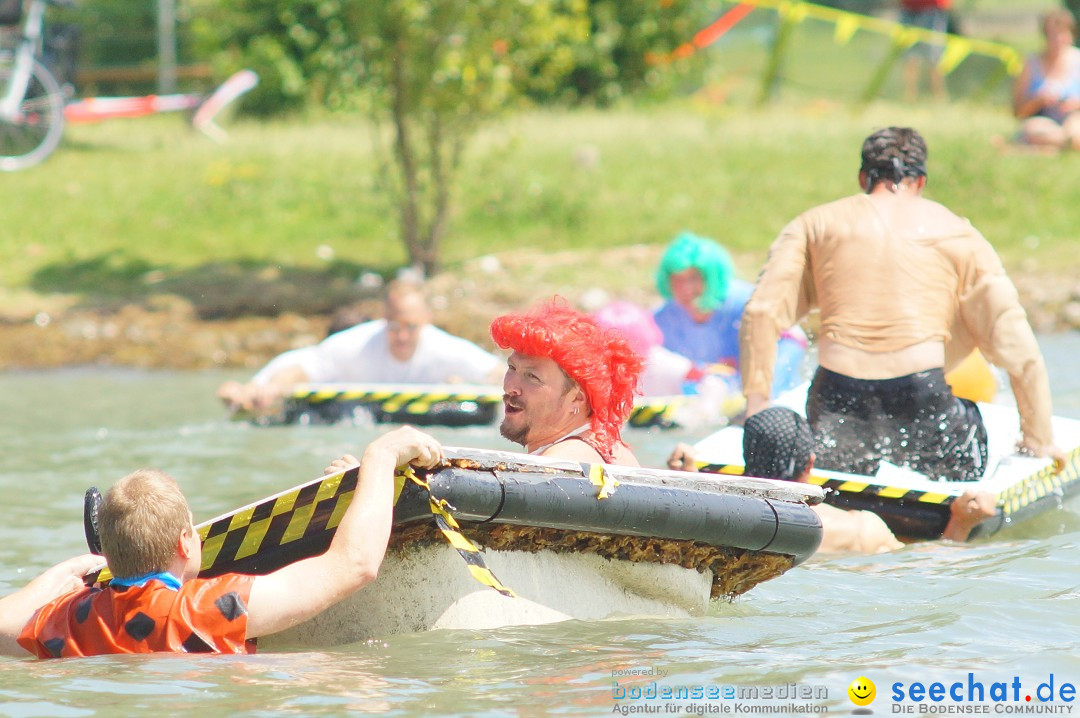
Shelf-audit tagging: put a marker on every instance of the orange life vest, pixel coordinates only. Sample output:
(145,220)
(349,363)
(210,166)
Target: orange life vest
(204,616)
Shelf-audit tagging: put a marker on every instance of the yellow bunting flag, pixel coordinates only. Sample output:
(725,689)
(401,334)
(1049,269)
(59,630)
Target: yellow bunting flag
(794,12)
(904,37)
(956,51)
(846,26)
(1013,62)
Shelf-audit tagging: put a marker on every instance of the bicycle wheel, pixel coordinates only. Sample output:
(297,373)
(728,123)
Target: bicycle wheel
(32,136)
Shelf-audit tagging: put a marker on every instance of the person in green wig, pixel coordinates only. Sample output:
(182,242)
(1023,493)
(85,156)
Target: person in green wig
(703,308)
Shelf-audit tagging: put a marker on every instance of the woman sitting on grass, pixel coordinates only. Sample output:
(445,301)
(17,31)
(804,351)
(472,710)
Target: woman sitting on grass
(1046,95)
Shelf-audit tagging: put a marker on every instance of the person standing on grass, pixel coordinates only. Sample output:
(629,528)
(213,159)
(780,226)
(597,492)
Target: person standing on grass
(930,15)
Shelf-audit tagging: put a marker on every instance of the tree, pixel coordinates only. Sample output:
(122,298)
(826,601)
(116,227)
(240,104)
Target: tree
(434,70)
(623,34)
(427,72)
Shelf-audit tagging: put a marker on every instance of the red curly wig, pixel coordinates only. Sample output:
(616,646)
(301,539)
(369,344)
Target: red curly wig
(598,360)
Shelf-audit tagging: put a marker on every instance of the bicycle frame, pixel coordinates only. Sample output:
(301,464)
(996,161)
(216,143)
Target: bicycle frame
(34,108)
(24,61)
(207,108)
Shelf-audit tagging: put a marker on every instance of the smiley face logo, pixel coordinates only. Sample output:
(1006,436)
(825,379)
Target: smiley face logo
(862,691)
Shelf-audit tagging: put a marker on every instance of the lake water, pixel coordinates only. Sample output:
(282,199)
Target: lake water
(1002,610)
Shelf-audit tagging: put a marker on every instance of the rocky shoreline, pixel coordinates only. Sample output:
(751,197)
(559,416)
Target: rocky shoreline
(167,332)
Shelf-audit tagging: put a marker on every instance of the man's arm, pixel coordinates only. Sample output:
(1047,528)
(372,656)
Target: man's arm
(682,458)
(968,511)
(297,592)
(324,361)
(1024,104)
(853,531)
(261,396)
(18,608)
(991,311)
(755,402)
(784,293)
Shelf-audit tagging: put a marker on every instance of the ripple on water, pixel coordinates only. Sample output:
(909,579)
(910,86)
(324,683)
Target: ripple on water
(930,610)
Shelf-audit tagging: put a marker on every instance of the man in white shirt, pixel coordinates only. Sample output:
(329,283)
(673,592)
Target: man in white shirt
(403,348)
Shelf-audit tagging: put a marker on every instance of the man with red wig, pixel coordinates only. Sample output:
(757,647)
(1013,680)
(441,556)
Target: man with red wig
(569,384)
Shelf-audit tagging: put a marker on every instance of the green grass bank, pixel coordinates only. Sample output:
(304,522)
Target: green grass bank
(123,200)
(285,216)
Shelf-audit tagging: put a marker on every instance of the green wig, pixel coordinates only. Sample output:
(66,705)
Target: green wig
(689,251)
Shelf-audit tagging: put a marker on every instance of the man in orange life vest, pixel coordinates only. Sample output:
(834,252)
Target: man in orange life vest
(156,603)
(568,390)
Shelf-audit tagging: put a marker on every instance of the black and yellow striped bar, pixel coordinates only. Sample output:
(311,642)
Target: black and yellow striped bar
(313,511)
(393,398)
(440,406)
(408,405)
(904,509)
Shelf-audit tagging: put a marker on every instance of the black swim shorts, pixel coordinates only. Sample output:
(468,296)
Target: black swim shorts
(913,421)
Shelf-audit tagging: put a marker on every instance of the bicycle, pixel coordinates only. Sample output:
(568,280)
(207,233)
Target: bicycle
(34,107)
(31,103)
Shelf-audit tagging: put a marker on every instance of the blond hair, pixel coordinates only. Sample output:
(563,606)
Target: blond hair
(140,522)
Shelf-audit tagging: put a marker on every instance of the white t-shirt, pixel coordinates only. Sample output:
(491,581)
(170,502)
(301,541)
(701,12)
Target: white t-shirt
(361,355)
(291,358)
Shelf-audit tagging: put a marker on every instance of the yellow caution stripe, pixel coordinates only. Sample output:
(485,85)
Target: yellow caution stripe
(850,486)
(467,549)
(646,414)
(664,414)
(317,508)
(730,469)
(302,512)
(1018,496)
(1044,483)
(413,402)
(882,491)
(450,529)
